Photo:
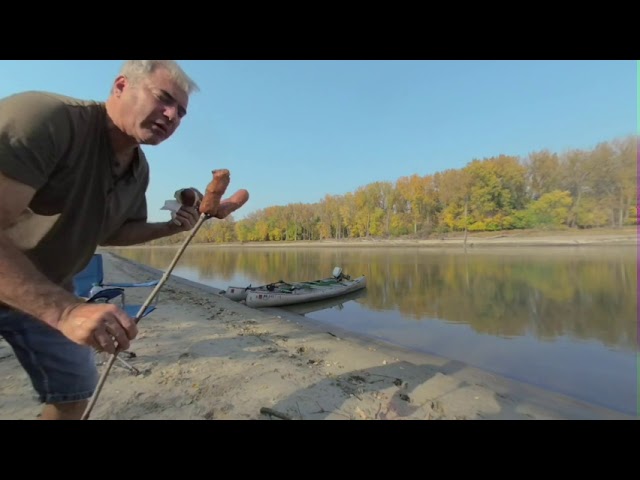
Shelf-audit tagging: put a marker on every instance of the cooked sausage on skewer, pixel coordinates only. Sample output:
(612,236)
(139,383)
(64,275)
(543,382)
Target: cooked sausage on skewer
(231,204)
(215,190)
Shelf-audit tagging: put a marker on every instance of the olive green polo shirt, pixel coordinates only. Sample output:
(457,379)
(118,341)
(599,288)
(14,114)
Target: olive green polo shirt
(60,147)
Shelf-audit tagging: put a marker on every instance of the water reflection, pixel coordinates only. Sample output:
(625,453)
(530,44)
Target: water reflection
(336,303)
(546,293)
(558,317)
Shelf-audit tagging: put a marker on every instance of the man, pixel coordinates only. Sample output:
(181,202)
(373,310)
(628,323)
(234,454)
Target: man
(72,177)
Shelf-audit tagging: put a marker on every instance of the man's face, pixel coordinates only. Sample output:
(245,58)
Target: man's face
(153,107)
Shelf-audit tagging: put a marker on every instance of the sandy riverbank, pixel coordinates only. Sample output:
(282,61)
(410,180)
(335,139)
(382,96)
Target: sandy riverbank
(202,356)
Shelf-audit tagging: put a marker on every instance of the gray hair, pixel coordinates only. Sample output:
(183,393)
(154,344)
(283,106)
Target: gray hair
(136,70)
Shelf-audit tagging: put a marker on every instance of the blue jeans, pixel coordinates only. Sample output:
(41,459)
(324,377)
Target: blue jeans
(60,370)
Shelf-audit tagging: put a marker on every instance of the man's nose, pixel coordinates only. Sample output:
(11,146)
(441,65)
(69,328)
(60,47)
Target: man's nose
(171,112)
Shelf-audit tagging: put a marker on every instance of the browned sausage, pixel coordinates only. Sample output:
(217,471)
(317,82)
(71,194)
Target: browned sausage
(215,190)
(231,204)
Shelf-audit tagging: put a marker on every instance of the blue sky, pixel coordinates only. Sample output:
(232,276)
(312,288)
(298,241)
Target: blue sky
(292,131)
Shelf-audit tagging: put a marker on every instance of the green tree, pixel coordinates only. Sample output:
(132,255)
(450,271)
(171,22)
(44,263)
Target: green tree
(551,209)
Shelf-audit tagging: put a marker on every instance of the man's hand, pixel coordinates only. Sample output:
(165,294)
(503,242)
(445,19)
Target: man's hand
(104,327)
(185,219)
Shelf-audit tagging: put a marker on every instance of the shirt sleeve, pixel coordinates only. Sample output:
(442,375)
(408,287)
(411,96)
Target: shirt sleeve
(138,211)
(34,132)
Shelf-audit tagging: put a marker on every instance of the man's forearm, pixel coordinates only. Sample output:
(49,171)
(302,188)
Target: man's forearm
(24,288)
(135,233)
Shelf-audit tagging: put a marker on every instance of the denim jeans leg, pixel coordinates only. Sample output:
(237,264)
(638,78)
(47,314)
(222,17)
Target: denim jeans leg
(60,370)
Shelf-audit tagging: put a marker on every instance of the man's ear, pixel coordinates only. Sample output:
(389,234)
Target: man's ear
(119,85)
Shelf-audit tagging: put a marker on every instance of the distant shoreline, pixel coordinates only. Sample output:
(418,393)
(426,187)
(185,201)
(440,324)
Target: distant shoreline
(609,237)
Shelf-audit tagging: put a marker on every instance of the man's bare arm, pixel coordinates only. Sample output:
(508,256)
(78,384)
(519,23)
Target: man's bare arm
(22,286)
(135,233)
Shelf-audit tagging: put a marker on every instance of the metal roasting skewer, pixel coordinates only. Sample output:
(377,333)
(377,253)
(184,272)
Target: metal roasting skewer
(143,308)
(208,208)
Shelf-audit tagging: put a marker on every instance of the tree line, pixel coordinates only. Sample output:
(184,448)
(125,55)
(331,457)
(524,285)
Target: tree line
(577,189)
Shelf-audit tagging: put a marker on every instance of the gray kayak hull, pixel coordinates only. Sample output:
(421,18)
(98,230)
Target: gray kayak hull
(303,292)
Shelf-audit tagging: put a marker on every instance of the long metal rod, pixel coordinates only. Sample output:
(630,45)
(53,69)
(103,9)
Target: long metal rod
(143,308)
